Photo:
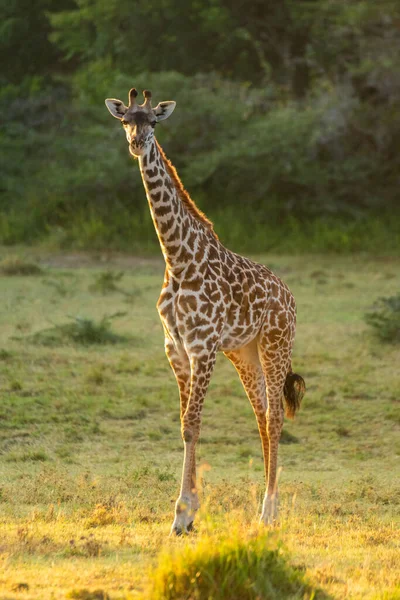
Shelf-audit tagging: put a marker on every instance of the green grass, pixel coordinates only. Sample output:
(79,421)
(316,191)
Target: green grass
(90,449)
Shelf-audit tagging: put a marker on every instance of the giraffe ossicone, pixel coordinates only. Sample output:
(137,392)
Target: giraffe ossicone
(213,300)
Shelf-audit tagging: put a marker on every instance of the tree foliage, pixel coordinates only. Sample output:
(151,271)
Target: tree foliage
(25,49)
(292,107)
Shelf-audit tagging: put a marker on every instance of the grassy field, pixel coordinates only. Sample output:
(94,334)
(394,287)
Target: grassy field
(90,449)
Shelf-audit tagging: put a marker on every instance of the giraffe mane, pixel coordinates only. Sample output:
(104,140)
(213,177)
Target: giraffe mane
(184,194)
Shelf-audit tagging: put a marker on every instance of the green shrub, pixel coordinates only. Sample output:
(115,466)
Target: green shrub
(384,318)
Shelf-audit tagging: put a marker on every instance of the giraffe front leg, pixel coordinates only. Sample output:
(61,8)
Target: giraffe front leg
(187,503)
(180,365)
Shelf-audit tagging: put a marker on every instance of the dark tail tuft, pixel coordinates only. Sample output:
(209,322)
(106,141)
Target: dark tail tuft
(293,391)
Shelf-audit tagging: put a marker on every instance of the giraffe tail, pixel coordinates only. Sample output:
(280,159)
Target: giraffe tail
(293,391)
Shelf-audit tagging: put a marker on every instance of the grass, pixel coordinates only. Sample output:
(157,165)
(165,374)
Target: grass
(90,449)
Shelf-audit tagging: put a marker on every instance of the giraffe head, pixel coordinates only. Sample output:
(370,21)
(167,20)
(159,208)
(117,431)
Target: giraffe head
(139,120)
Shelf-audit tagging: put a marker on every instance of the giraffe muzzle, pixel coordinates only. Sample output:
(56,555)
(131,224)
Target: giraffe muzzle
(136,147)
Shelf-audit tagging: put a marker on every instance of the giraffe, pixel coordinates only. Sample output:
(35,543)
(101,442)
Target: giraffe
(212,300)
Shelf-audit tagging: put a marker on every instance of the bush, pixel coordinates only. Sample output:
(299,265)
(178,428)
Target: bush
(384,318)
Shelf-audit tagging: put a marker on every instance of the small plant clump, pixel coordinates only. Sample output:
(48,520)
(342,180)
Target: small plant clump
(384,318)
(84,594)
(30,456)
(20,587)
(82,331)
(253,569)
(85,546)
(106,282)
(107,513)
(59,286)
(13,265)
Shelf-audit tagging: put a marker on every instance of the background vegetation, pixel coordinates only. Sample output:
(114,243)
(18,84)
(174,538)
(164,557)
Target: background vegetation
(286,133)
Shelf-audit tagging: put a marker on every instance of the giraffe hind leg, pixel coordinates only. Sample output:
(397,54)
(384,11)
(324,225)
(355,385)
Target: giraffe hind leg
(275,349)
(247,364)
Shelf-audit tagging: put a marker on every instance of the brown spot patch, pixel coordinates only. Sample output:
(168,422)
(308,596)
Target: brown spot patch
(161,211)
(166,225)
(151,185)
(152,172)
(188,303)
(194,285)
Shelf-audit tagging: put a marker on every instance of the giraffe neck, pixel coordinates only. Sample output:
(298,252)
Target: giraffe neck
(182,229)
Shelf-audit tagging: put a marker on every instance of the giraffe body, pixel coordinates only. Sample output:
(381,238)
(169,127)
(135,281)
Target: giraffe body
(228,301)
(213,300)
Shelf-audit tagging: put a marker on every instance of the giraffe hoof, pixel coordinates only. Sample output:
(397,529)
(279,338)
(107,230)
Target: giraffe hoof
(269,521)
(179,530)
(269,515)
(190,527)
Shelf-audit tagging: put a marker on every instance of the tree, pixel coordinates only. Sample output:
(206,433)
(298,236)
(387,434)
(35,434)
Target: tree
(25,49)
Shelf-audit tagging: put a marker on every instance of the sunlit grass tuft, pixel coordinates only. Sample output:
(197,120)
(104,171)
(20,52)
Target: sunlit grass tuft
(236,566)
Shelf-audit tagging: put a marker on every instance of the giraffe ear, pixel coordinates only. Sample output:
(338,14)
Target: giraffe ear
(116,107)
(164,109)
